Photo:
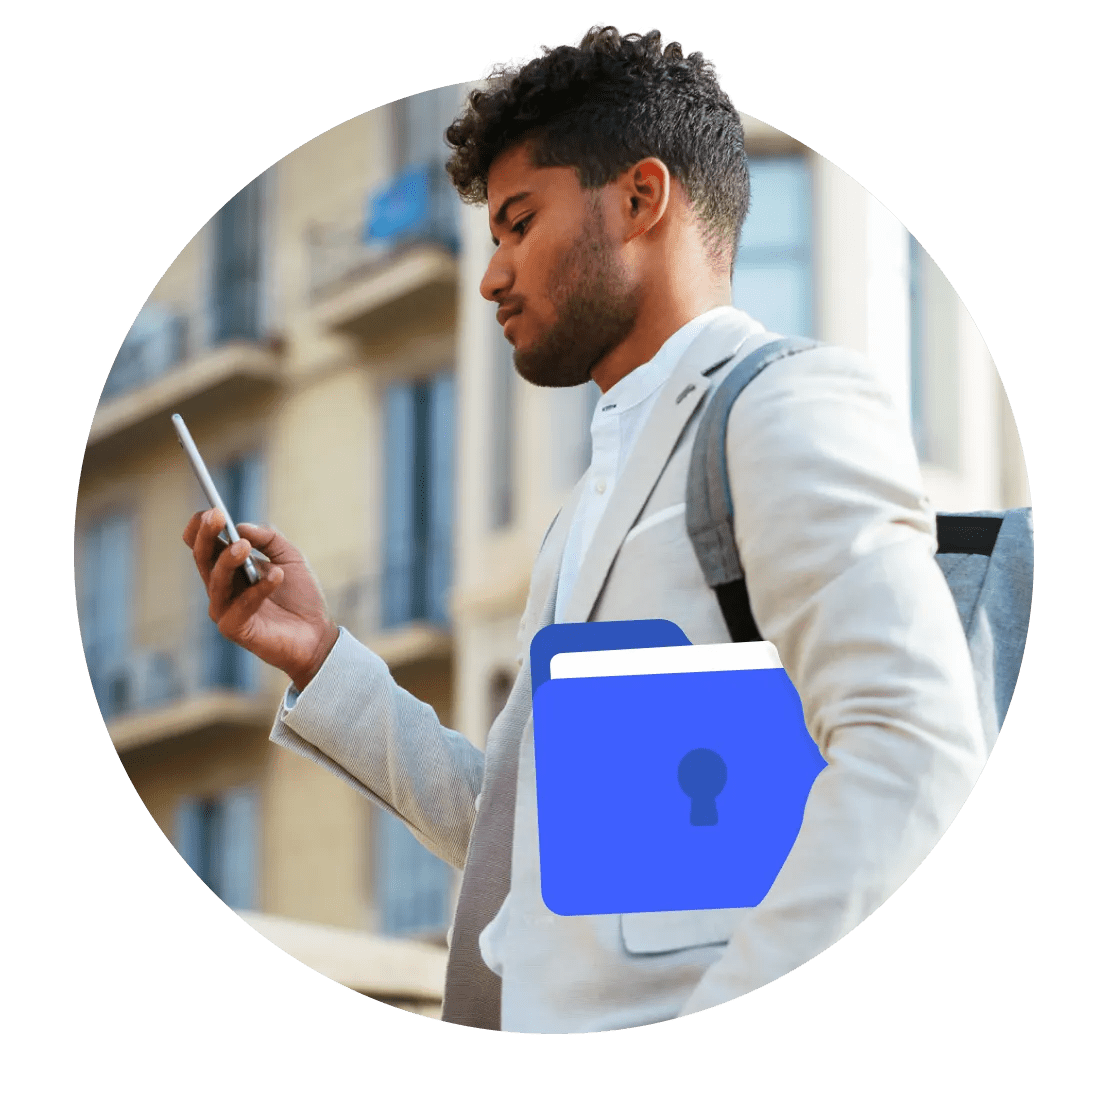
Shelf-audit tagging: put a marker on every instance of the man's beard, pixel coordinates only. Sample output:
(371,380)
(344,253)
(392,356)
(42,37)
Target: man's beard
(596,309)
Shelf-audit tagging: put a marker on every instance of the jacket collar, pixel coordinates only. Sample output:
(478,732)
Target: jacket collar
(676,404)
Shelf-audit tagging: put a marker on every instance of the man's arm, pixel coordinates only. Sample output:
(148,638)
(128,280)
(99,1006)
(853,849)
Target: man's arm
(351,717)
(837,545)
(355,720)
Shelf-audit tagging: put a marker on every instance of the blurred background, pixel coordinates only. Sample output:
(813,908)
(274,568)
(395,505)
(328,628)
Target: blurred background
(324,338)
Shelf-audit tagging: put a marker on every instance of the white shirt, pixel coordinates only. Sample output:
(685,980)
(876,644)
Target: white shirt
(619,417)
(618,420)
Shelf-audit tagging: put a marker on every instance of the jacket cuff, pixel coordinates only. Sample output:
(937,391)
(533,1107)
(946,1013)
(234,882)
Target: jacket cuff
(331,699)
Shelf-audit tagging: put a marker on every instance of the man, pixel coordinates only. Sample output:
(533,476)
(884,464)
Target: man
(616,182)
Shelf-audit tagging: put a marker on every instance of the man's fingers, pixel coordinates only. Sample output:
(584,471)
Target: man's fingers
(191,529)
(221,580)
(249,601)
(270,542)
(204,541)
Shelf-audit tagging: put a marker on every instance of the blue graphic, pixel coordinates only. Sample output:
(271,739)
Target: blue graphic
(552,639)
(702,774)
(677,791)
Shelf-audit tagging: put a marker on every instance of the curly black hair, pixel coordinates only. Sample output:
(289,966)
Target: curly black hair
(601,107)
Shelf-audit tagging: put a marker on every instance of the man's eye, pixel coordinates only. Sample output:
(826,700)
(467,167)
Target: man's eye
(520,225)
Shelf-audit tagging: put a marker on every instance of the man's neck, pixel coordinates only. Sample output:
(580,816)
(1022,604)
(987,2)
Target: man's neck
(654,326)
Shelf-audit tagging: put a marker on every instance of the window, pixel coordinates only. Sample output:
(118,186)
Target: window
(934,361)
(218,839)
(413,884)
(241,482)
(107,577)
(773,277)
(419,203)
(419,500)
(237,266)
(419,123)
(156,342)
(502,432)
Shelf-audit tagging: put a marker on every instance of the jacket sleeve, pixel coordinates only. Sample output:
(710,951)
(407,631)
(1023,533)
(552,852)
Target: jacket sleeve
(353,719)
(837,542)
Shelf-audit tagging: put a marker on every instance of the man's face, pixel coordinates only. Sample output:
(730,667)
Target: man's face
(565,298)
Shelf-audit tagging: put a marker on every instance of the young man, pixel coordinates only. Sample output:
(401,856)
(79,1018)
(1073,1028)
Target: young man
(616,183)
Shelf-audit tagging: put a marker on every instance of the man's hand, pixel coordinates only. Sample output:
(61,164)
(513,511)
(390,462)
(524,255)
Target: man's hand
(283,618)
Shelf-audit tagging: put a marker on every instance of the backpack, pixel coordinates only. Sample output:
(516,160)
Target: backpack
(986,557)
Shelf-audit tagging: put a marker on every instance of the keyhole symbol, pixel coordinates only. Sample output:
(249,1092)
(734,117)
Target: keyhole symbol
(702,775)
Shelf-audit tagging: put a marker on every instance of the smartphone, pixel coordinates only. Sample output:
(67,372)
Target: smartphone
(250,567)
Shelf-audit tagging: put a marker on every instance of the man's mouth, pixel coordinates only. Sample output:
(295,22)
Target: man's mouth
(506,317)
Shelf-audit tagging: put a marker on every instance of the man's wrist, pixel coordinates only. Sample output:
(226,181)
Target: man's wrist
(302,676)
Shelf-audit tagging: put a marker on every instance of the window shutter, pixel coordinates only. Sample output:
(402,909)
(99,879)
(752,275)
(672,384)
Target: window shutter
(237,266)
(398,555)
(235,864)
(441,494)
(189,835)
(107,582)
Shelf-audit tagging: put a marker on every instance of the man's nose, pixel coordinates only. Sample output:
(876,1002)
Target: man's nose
(497,279)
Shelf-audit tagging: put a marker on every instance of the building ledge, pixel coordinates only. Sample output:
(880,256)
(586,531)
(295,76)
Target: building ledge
(392,969)
(216,379)
(363,301)
(412,643)
(190,716)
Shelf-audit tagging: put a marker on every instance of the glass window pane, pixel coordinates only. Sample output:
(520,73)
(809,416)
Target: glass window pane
(413,883)
(773,276)
(776,296)
(779,214)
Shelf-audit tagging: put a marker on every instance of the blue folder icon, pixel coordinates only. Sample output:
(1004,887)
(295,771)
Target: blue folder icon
(679,790)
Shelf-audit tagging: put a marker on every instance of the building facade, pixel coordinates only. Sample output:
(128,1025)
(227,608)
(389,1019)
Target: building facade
(324,338)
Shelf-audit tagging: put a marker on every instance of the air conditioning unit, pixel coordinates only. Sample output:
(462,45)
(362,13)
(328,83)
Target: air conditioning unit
(154,345)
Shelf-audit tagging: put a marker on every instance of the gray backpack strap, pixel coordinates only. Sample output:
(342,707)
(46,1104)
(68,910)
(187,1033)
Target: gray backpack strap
(708,500)
(987,560)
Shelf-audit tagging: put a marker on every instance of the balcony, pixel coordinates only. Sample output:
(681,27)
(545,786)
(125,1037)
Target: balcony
(399,262)
(400,612)
(166,365)
(171,684)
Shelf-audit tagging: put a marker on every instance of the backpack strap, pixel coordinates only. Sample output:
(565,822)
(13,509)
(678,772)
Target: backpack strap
(709,520)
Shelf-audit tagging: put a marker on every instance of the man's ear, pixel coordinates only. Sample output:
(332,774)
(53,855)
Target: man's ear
(645,196)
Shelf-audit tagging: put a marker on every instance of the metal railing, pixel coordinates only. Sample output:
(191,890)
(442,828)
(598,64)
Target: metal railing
(416,206)
(401,592)
(181,657)
(184,656)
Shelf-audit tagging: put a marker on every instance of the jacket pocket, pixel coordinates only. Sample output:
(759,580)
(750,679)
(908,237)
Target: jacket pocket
(673,930)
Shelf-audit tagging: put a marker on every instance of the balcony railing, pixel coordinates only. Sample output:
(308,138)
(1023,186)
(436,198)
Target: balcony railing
(160,340)
(417,207)
(184,658)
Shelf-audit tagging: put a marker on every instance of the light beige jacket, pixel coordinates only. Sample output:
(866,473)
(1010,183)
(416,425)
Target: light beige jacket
(837,542)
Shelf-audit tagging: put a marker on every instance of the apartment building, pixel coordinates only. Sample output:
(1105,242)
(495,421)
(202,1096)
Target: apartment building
(324,338)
